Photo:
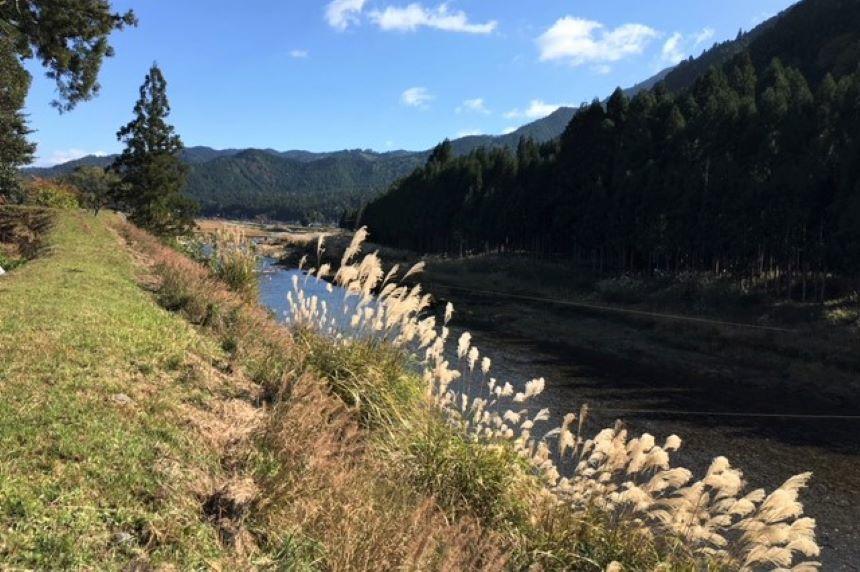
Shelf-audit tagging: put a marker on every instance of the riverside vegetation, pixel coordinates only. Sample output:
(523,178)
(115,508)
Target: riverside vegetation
(195,431)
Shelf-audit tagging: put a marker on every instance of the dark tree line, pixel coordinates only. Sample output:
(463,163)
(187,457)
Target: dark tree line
(755,173)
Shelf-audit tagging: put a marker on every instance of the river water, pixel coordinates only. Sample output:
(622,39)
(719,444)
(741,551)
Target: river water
(768,450)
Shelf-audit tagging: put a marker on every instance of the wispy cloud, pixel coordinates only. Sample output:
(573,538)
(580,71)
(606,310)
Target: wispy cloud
(469,133)
(537,109)
(64,156)
(580,41)
(416,97)
(341,14)
(299,54)
(678,46)
(476,105)
(671,51)
(415,15)
(704,35)
(509,130)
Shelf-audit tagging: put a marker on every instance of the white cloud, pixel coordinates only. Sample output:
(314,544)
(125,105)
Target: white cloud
(416,97)
(678,46)
(341,14)
(704,35)
(537,109)
(414,16)
(476,105)
(469,133)
(508,130)
(581,41)
(672,51)
(64,156)
(299,54)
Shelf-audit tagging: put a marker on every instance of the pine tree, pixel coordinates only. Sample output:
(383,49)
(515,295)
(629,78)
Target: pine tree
(441,154)
(152,174)
(70,39)
(15,150)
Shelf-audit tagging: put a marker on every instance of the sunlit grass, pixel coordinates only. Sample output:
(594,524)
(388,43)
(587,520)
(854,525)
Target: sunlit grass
(83,477)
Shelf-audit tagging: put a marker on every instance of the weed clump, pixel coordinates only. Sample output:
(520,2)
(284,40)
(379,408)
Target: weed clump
(235,262)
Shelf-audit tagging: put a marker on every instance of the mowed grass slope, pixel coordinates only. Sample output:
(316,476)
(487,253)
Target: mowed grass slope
(91,381)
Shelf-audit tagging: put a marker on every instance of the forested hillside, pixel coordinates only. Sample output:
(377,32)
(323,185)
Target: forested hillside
(754,169)
(260,183)
(815,36)
(304,185)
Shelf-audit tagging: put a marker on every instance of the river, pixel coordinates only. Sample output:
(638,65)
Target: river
(768,449)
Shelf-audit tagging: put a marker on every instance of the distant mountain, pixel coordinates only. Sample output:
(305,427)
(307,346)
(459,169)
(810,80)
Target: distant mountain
(68,167)
(300,184)
(255,182)
(195,155)
(191,155)
(648,83)
(297,183)
(541,130)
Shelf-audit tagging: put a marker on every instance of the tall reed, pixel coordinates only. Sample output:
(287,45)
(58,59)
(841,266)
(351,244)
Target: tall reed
(234,260)
(628,480)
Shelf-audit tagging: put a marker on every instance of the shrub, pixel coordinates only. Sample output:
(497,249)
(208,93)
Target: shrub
(235,262)
(48,193)
(624,289)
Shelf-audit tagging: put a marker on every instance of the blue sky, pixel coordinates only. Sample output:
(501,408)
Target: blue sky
(381,74)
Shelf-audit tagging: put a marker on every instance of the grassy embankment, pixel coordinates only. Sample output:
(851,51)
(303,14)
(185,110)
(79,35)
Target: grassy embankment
(149,415)
(128,432)
(97,461)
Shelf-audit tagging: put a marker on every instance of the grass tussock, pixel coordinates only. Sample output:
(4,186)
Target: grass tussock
(234,261)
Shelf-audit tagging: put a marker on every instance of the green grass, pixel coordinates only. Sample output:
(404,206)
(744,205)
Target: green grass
(83,479)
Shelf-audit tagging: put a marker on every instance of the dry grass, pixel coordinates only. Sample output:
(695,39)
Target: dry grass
(241,444)
(619,484)
(338,456)
(310,487)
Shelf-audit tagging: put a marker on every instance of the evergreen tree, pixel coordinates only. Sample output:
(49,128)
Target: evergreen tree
(441,154)
(152,174)
(69,38)
(15,150)
(752,173)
